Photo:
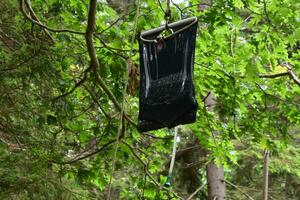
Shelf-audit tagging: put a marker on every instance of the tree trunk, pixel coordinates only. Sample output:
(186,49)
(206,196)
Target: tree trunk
(214,173)
(216,185)
(266,175)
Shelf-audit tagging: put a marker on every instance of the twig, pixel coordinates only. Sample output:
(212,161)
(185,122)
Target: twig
(274,75)
(80,82)
(116,21)
(266,12)
(143,163)
(236,187)
(196,191)
(97,102)
(160,6)
(21,63)
(292,74)
(180,9)
(193,5)
(43,25)
(123,103)
(85,156)
(156,137)
(111,49)
(148,173)
(32,13)
(289,72)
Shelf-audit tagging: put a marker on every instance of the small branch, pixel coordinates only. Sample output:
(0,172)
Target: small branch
(157,137)
(207,95)
(113,23)
(236,187)
(266,12)
(75,86)
(177,6)
(21,63)
(274,75)
(294,77)
(196,191)
(111,49)
(97,102)
(160,6)
(147,172)
(3,34)
(289,73)
(86,156)
(44,26)
(198,5)
(32,13)
(142,162)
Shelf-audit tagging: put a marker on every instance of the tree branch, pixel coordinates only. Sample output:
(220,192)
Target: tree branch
(111,49)
(274,75)
(97,102)
(236,187)
(22,62)
(196,191)
(94,61)
(157,137)
(116,21)
(289,73)
(44,26)
(80,82)
(147,172)
(292,74)
(87,155)
(32,13)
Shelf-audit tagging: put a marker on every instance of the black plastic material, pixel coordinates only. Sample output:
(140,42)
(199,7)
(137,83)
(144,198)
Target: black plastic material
(167,96)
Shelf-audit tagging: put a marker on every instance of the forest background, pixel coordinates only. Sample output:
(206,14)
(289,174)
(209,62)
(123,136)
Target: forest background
(69,79)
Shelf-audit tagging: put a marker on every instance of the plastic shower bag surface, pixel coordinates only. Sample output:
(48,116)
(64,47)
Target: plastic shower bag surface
(167,94)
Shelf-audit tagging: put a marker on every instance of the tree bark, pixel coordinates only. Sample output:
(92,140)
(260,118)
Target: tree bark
(266,175)
(216,185)
(214,173)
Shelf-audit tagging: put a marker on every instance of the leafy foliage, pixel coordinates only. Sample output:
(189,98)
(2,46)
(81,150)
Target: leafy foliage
(59,124)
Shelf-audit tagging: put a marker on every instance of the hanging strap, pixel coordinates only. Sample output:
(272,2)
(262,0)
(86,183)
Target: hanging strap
(168,14)
(169,177)
(168,10)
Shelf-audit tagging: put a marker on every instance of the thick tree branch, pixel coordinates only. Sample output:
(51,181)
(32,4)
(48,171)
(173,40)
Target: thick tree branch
(94,60)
